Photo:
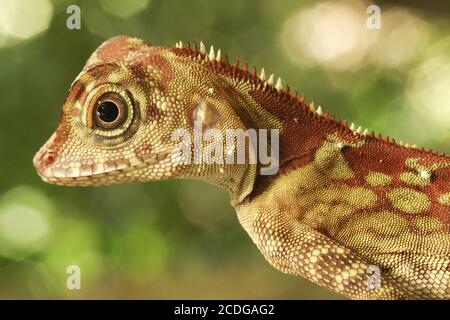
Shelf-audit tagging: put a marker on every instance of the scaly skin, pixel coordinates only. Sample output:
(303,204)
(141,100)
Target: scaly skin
(342,200)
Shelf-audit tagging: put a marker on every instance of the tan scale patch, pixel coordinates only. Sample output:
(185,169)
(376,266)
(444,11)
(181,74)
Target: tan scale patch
(153,72)
(135,42)
(330,159)
(77,106)
(308,177)
(376,178)
(422,173)
(315,217)
(337,214)
(408,200)
(87,80)
(117,76)
(413,163)
(428,224)
(360,197)
(414,179)
(388,223)
(445,199)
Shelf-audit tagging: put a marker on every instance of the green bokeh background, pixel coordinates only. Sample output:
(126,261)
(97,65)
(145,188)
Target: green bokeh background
(173,239)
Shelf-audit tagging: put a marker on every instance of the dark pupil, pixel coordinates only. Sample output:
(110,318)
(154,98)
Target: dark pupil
(107,111)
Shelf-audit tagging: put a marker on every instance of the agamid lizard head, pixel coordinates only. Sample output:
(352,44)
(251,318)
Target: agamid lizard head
(121,114)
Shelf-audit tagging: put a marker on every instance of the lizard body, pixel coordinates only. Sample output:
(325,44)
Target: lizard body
(343,201)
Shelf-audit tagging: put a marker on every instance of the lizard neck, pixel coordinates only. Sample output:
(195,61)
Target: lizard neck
(301,130)
(309,136)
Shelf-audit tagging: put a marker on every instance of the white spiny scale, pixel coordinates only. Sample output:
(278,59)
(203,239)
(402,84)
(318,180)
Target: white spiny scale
(279,85)
(211,55)
(319,111)
(270,80)
(365,132)
(352,127)
(262,75)
(340,145)
(359,130)
(180,44)
(176,44)
(425,174)
(202,48)
(219,55)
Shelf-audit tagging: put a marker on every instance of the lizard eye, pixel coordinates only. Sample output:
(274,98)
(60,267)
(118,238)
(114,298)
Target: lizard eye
(110,110)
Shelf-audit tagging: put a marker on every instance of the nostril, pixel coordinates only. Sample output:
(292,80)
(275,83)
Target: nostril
(48,158)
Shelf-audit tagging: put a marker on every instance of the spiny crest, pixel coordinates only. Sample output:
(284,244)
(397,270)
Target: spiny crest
(267,83)
(200,53)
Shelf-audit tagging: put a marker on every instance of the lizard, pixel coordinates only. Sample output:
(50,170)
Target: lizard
(344,205)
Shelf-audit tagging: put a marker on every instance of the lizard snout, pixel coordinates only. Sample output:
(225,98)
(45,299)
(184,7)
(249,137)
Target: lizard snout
(43,159)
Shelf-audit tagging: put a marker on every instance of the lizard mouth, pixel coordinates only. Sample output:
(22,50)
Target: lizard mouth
(94,173)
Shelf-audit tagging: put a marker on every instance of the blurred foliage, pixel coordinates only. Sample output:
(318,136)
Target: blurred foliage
(177,239)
